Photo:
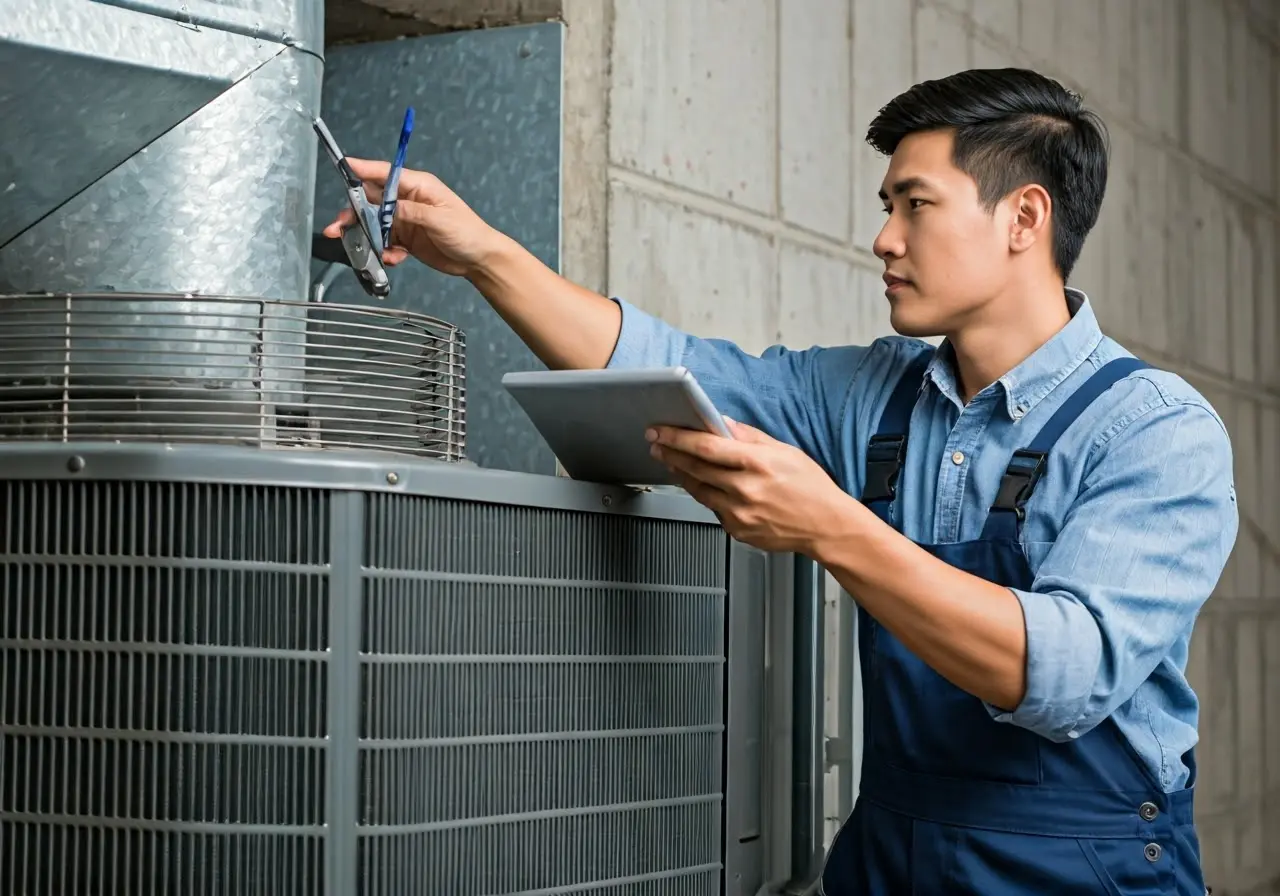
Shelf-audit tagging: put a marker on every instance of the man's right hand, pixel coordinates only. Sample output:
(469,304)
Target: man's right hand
(565,325)
(431,222)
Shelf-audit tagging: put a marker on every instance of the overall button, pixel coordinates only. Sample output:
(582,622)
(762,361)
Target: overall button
(1152,852)
(1148,811)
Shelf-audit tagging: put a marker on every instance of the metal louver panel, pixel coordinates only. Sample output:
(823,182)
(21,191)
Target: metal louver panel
(265,690)
(552,685)
(162,688)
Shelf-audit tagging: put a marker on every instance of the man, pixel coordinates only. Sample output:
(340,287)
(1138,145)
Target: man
(1028,517)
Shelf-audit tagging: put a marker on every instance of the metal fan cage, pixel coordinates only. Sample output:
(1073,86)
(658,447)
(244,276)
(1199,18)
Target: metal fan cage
(218,369)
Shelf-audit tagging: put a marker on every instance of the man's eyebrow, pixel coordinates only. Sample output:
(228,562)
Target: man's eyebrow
(903,186)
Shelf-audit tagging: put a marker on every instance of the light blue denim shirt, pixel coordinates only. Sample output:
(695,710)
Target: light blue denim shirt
(1127,535)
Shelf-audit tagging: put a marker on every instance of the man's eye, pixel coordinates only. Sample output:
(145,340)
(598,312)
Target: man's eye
(912,204)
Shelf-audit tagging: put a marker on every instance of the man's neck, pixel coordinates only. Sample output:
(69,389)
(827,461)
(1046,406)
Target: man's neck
(1006,334)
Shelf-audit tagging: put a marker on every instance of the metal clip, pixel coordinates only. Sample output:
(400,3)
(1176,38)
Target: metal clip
(361,244)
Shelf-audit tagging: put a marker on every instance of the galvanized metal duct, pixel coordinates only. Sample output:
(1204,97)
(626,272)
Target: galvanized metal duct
(157,176)
(158,145)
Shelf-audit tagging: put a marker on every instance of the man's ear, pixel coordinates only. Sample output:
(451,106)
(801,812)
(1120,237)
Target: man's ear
(1031,219)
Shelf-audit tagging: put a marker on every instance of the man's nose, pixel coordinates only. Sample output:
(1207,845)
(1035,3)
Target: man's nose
(891,241)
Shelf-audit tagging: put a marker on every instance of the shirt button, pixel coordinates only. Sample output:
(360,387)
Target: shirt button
(1148,811)
(957,458)
(1152,852)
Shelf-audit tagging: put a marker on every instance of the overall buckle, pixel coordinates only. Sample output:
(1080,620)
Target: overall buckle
(885,454)
(1019,481)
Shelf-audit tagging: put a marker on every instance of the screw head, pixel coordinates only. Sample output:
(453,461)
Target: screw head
(75,463)
(393,478)
(607,500)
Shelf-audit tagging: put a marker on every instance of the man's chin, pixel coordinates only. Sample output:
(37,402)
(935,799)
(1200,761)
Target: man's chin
(913,327)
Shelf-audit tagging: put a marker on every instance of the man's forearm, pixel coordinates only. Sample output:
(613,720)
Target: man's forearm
(564,325)
(969,630)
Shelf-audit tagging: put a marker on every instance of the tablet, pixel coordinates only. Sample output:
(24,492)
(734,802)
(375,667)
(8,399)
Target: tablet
(594,420)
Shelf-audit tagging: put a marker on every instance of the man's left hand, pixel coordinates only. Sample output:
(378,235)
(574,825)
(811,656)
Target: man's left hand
(766,493)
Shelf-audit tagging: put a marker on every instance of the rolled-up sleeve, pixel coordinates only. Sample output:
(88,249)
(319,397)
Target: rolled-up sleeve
(1139,553)
(794,396)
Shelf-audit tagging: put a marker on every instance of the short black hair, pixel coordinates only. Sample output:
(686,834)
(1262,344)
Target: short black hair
(1012,127)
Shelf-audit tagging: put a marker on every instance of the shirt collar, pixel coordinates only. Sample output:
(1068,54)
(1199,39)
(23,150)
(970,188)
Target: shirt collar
(1026,385)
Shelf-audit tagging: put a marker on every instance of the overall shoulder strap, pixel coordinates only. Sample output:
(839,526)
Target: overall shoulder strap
(1027,466)
(888,447)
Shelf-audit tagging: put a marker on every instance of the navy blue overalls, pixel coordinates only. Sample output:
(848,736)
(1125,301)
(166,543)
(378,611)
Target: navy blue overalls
(953,802)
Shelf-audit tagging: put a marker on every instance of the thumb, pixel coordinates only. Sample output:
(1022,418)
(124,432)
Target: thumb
(745,433)
(341,222)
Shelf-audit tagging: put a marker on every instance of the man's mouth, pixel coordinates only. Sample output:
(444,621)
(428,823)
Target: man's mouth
(892,283)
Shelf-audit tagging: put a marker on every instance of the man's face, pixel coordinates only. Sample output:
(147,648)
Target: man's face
(945,255)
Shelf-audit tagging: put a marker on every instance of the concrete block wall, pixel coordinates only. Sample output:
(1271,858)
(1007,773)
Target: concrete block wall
(716,174)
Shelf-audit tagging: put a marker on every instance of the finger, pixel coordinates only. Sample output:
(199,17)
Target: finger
(744,432)
(691,465)
(422,185)
(705,445)
(394,255)
(410,219)
(707,495)
(370,171)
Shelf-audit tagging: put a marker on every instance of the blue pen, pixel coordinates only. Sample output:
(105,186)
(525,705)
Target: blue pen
(387,211)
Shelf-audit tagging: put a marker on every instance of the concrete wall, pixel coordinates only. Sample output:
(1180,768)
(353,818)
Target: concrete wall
(731,192)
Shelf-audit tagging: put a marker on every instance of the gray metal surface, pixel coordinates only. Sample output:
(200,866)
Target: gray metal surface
(808,846)
(777,760)
(844,744)
(337,470)
(131,367)
(749,575)
(158,153)
(488,123)
(542,701)
(271,689)
(162,689)
(287,22)
(774,782)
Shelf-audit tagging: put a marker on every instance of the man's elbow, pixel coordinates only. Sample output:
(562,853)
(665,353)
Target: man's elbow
(1070,668)
(1062,702)
(1007,693)
(1062,718)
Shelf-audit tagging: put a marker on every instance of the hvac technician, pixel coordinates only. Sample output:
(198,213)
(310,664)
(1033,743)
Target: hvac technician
(1028,517)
